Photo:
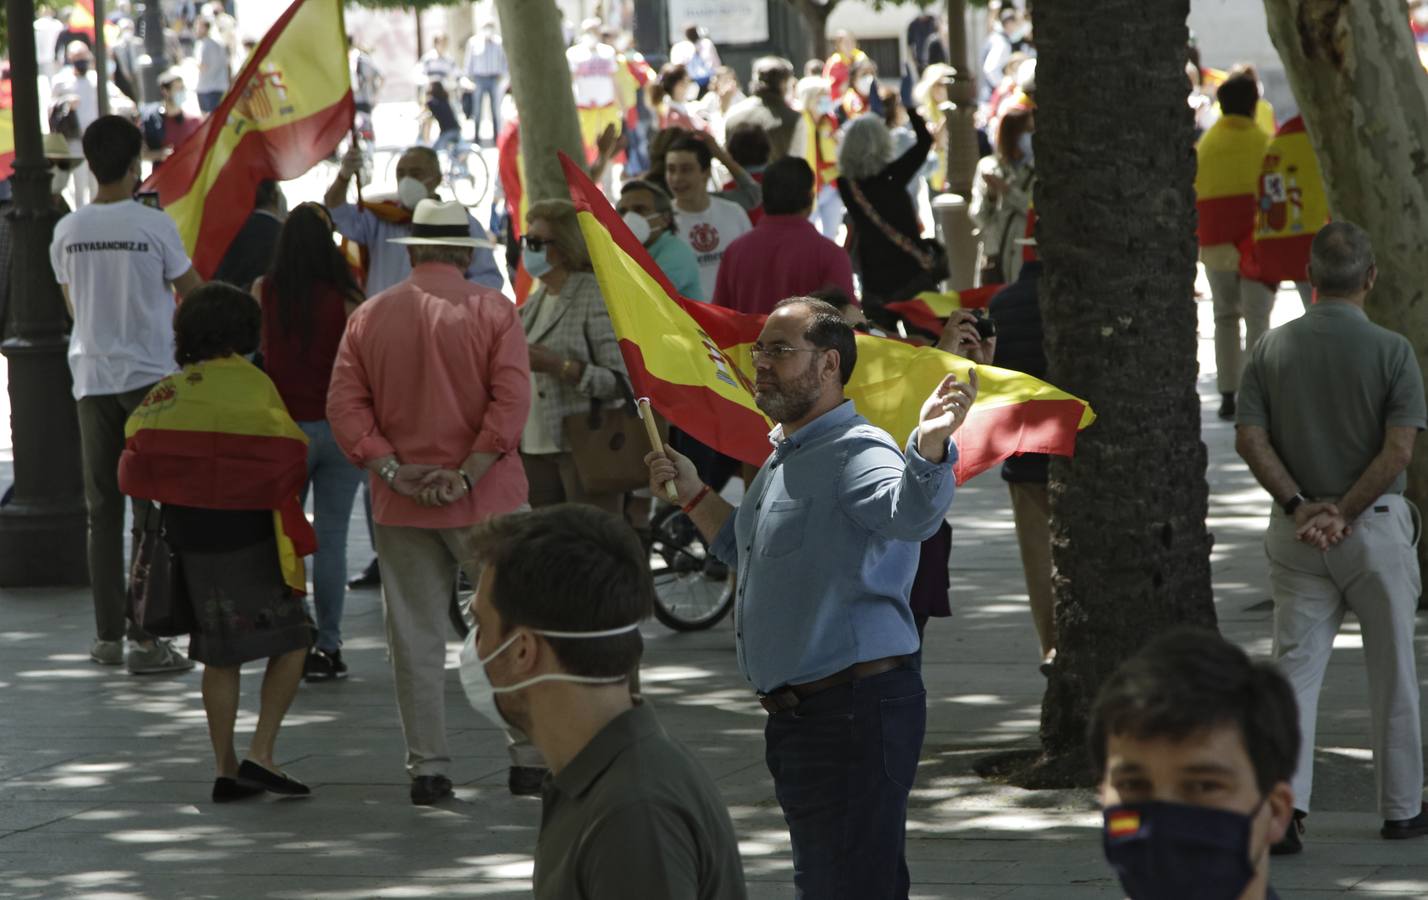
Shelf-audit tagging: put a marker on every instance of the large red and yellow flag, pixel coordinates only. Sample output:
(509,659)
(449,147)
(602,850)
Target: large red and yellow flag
(287,109)
(692,360)
(218,436)
(81,18)
(1292,205)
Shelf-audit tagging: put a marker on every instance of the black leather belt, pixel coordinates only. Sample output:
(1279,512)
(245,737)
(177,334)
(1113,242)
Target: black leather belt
(790,696)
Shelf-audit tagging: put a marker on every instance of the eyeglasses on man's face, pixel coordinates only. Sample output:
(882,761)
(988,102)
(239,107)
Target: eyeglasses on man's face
(778,352)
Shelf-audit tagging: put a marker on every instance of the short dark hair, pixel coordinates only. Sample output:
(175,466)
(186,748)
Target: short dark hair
(827,331)
(691,33)
(1238,95)
(266,193)
(749,145)
(1192,679)
(1340,258)
(770,76)
(788,186)
(111,144)
(690,144)
(662,201)
(215,320)
(614,588)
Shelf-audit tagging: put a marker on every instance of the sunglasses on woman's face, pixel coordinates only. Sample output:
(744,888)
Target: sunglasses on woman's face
(535,244)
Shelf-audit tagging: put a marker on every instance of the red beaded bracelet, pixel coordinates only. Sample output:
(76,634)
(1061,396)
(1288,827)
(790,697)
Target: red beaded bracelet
(689,507)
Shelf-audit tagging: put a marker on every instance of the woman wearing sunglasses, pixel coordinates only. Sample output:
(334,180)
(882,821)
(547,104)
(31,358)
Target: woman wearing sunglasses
(575,356)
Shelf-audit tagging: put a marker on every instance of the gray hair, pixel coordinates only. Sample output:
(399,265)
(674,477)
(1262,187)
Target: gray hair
(867,147)
(460,257)
(1340,258)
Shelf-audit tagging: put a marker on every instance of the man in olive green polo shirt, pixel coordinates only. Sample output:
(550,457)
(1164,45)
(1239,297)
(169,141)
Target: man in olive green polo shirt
(1329,409)
(627,812)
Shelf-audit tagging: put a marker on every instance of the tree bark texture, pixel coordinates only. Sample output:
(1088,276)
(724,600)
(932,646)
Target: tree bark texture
(816,14)
(1363,93)
(1116,227)
(540,81)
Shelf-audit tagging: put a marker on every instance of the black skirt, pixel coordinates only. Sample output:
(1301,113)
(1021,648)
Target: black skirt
(243,610)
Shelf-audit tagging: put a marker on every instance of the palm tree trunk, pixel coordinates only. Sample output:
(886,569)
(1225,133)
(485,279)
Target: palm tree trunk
(1364,96)
(1116,225)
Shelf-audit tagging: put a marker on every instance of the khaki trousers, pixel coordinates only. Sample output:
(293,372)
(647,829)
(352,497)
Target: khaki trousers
(1374,573)
(1236,298)
(553,479)
(1031,510)
(418,580)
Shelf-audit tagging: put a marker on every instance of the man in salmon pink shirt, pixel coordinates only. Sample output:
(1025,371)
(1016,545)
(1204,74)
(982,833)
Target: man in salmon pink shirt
(430,394)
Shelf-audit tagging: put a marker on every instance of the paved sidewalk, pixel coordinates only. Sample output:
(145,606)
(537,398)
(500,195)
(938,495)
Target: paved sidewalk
(104,777)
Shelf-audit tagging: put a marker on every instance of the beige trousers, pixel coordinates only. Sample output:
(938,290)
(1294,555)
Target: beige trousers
(553,480)
(1237,298)
(418,580)
(1373,573)
(1031,510)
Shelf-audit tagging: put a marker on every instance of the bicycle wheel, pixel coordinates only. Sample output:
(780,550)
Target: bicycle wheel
(692,592)
(471,179)
(459,611)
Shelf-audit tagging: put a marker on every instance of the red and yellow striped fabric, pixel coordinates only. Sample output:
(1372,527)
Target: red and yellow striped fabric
(1230,155)
(1292,206)
(218,436)
(929,310)
(7,143)
(692,360)
(289,108)
(81,18)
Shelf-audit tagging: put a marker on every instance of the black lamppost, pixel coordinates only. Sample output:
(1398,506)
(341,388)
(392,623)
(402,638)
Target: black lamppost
(155,54)
(42,528)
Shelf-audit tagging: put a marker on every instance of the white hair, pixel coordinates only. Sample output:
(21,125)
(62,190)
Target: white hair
(809,89)
(866,149)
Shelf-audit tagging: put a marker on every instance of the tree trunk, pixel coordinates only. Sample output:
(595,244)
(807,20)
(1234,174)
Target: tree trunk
(1116,226)
(816,15)
(1364,96)
(540,81)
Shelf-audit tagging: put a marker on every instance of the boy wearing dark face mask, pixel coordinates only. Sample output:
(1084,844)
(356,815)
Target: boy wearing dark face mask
(1195,747)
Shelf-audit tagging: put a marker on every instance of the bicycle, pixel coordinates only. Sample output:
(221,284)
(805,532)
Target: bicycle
(692,592)
(464,172)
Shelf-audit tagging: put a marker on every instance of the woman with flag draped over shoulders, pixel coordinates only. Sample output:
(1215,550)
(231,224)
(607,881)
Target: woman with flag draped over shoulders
(215,446)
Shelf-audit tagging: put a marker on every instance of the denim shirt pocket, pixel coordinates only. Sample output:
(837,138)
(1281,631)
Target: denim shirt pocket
(782,527)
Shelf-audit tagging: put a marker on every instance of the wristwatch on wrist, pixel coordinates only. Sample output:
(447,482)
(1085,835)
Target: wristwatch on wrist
(466,479)
(1290,505)
(388,471)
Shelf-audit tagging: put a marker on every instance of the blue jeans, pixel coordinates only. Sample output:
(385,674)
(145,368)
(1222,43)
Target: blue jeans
(208,100)
(843,762)
(486,91)
(334,483)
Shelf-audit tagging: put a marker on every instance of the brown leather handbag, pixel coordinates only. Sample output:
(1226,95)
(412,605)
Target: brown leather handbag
(608,445)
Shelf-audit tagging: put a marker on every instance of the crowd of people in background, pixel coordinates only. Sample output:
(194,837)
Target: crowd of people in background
(802,194)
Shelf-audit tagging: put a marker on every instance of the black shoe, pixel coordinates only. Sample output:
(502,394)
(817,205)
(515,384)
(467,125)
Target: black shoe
(428,789)
(715,570)
(526,781)
(371,578)
(1399,829)
(226,790)
(1227,406)
(324,666)
(252,775)
(1291,843)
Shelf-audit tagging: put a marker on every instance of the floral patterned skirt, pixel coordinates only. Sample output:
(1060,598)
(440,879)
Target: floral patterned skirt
(242,608)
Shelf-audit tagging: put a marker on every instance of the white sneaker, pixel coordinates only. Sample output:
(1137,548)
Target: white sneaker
(160,656)
(107,653)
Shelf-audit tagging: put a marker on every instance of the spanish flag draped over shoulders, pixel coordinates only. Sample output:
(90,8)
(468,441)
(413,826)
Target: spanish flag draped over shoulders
(1292,206)
(217,435)
(1230,155)
(7,134)
(287,109)
(692,360)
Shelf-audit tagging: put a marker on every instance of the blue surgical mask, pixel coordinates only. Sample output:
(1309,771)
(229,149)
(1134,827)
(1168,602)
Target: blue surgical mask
(1170,851)
(535,262)
(825,106)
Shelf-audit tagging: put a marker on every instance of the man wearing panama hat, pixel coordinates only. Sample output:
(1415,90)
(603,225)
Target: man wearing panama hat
(430,394)
(63,161)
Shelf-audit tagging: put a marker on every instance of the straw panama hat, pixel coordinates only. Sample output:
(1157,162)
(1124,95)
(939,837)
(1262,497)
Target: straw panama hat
(441,223)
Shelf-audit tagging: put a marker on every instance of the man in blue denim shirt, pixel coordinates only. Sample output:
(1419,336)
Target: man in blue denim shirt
(826,544)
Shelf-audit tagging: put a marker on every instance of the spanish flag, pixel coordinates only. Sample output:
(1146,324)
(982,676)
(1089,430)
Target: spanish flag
(7,143)
(1292,206)
(929,310)
(1229,158)
(218,436)
(287,109)
(81,19)
(692,360)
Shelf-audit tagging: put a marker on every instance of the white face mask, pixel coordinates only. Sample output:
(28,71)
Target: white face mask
(865,84)
(411,192)
(691,92)
(638,225)
(59,181)
(180,98)
(481,694)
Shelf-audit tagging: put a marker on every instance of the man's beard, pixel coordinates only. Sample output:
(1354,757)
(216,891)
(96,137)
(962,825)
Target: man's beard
(792,400)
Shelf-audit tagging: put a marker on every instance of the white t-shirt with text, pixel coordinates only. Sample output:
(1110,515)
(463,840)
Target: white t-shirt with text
(710,233)
(117,260)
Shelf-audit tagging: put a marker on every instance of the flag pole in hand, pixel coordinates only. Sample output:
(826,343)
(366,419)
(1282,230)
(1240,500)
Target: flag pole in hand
(651,429)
